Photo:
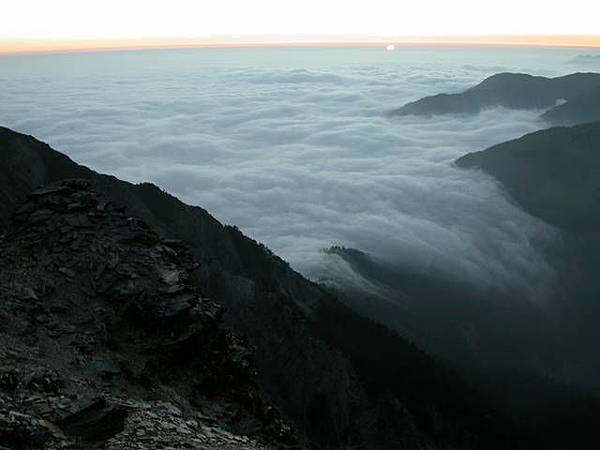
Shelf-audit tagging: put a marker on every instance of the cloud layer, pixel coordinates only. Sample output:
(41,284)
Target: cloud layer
(294,148)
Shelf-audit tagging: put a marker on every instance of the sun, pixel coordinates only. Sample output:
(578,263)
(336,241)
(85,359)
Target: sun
(390,47)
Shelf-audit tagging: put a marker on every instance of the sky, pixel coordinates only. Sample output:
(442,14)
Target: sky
(40,24)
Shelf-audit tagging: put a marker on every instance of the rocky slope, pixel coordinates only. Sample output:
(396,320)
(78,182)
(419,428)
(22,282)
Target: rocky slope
(106,343)
(265,299)
(509,90)
(306,358)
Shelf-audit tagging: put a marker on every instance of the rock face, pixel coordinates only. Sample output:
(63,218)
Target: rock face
(554,174)
(509,90)
(106,342)
(265,300)
(581,109)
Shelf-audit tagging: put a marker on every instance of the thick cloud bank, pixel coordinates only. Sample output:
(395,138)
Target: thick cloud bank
(293,146)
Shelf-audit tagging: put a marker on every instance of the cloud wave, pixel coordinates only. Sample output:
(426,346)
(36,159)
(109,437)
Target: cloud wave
(298,153)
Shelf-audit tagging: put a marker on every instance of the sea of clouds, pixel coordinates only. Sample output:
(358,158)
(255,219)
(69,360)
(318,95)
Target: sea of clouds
(294,147)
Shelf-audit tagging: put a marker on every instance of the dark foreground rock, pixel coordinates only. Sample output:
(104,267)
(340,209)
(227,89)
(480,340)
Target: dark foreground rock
(106,342)
(265,299)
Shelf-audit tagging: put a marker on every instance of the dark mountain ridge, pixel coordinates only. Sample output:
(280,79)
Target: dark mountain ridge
(554,174)
(508,90)
(343,380)
(305,363)
(454,319)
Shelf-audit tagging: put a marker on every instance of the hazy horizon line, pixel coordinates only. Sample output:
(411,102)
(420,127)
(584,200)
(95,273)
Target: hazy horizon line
(8,47)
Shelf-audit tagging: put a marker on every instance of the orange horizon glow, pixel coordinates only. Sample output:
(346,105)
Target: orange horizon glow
(80,46)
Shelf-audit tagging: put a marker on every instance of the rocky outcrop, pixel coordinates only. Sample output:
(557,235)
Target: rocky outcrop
(508,90)
(105,341)
(264,298)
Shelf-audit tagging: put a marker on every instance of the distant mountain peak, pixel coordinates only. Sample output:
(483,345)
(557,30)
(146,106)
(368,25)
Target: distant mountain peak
(509,90)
